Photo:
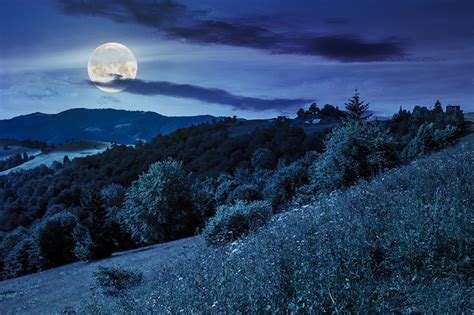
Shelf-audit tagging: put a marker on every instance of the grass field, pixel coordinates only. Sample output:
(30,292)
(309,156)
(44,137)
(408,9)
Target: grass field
(52,291)
(72,150)
(14,150)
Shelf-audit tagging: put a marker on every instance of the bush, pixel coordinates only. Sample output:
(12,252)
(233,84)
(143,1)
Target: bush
(159,205)
(353,151)
(429,138)
(115,280)
(286,180)
(233,221)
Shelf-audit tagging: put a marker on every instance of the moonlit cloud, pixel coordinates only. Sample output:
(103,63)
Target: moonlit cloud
(177,21)
(207,95)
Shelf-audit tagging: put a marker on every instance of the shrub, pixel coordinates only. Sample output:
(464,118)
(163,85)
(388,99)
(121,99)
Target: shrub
(353,151)
(115,280)
(286,180)
(159,205)
(233,221)
(429,138)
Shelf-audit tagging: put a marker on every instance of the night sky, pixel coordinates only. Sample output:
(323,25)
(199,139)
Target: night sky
(247,58)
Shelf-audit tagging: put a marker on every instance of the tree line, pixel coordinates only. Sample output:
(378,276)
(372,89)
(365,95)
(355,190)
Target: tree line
(169,188)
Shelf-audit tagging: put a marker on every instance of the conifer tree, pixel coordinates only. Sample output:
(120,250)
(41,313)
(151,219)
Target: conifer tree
(437,107)
(93,235)
(357,109)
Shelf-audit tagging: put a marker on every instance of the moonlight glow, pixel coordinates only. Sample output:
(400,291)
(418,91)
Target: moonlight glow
(112,61)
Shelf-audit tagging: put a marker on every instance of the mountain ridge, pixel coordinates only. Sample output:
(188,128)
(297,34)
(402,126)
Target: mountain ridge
(105,124)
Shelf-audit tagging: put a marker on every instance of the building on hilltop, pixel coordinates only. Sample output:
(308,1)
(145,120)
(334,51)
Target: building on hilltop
(453,108)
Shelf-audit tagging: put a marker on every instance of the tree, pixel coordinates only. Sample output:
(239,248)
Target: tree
(159,206)
(357,109)
(301,113)
(56,241)
(437,107)
(66,160)
(93,237)
(313,109)
(263,158)
(330,111)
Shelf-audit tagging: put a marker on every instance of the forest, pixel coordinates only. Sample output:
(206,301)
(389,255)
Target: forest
(201,179)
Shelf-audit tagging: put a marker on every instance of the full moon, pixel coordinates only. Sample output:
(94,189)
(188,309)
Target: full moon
(109,62)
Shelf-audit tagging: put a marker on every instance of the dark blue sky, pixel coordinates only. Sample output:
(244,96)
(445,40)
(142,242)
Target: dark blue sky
(247,58)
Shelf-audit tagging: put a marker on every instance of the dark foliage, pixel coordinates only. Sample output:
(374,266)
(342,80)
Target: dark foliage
(327,112)
(205,150)
(14,161)
(159,205)
(275,166)
(56,240)
(93,237)
(115,280)
(233,221)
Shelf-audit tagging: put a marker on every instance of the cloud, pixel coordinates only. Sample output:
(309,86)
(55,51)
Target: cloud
(345,48)
(176,21)
(349,48)
(203,94)
(40,94)
(149,13)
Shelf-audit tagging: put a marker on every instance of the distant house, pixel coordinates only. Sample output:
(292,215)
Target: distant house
(453,108)
(313,121)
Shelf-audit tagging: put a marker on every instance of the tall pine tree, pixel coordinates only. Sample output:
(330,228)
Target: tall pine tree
(93,235)
(357,110)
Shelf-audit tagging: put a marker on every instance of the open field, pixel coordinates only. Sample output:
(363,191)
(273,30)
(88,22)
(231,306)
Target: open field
(14,150)
(72,150)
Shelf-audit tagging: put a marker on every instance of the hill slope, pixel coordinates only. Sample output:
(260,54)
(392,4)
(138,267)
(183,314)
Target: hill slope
(72,150)
(409,197)
(38,293)
(107,125)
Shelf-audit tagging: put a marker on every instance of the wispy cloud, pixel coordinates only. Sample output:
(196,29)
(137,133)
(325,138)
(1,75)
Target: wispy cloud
(177,21)
(203,94)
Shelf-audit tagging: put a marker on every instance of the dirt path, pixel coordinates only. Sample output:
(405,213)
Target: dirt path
(51,291)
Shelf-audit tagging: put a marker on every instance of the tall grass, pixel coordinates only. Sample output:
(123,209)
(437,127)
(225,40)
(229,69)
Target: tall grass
(399,243)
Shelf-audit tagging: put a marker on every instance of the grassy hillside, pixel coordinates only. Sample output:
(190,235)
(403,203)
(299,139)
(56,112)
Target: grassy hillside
(14,150)
(72,150)
(397,243)
(70,286)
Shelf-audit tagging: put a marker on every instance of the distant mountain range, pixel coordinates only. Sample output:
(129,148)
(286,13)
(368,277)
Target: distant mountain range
(109,125)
